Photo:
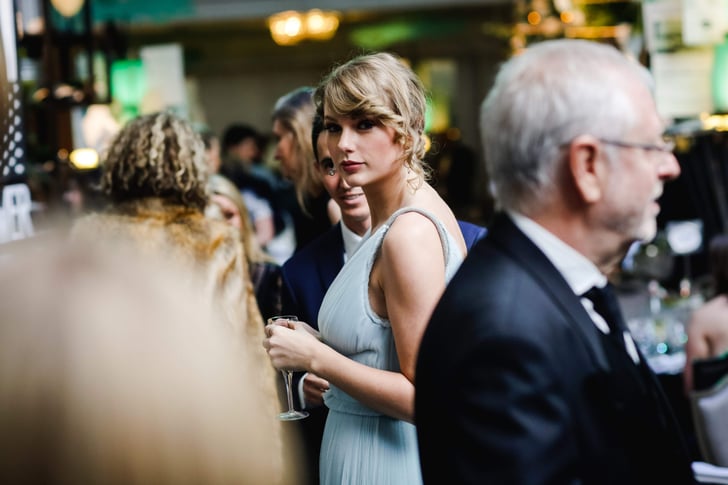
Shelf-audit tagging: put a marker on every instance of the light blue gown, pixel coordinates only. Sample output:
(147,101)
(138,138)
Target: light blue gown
(360,445)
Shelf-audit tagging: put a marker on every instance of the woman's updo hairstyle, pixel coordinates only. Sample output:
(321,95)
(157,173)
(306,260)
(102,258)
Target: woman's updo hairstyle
(382,88)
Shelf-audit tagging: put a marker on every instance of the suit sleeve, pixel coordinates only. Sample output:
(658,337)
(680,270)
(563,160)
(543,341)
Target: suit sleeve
(289,302)
(290,306)
(502,404)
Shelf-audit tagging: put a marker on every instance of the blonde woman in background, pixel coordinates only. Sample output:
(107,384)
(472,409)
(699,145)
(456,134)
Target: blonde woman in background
(113,371)
(292,123)
(226,203)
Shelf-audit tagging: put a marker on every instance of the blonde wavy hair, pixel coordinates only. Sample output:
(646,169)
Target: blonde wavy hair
(382,88)
(156,155)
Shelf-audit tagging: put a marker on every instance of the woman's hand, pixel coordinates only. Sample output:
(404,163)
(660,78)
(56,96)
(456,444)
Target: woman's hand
(292,345)
(310,329)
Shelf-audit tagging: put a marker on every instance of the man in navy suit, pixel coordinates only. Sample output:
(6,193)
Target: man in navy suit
(308,274)
(525,373)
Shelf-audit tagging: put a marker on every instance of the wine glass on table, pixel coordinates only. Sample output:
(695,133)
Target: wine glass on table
(291,414)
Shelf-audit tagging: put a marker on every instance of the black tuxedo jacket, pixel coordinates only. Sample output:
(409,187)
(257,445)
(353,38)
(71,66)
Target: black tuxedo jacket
(513,383)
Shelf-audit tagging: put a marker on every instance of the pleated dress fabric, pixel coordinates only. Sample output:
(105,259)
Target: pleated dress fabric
(360,445)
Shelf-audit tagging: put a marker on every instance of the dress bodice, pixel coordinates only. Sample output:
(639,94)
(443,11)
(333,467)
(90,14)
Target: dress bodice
(347,321)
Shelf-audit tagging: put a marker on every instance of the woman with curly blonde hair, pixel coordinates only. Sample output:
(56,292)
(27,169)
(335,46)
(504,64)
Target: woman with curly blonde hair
(155,178)
(375,312)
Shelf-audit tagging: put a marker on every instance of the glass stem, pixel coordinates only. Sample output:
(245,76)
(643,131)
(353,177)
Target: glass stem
(289,391)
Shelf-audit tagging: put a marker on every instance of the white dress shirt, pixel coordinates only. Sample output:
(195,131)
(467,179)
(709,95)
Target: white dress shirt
(351,240)
(580,273)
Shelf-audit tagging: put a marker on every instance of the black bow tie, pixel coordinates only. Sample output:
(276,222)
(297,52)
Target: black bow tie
(606,304)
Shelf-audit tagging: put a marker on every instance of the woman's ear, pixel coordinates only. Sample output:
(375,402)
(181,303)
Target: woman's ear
(585,162)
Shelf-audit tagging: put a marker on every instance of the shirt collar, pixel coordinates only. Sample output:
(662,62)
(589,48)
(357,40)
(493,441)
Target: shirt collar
(351,240)
(580,273)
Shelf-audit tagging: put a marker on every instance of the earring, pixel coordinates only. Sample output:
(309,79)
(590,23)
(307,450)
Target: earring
(332,171)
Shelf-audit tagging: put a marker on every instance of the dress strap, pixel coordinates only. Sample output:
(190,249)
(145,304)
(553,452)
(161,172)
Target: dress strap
(438,224)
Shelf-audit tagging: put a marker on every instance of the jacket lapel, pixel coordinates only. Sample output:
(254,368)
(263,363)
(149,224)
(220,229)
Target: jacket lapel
(506,235)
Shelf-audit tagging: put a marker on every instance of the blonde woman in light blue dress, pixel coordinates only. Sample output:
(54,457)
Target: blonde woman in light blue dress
(375,312)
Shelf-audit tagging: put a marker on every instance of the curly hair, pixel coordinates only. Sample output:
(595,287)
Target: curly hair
(381,87)
(156,155)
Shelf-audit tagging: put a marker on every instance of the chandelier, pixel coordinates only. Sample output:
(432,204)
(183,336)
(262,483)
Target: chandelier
(291,27)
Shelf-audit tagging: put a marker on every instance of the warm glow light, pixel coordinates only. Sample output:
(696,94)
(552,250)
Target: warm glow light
(84,158)
(286,27)
(63,91)
(315,21)
(291,27)
(41,94)
(321,25)
(534,18)
(67,8)
(567,17)
(597,32)
(715,122)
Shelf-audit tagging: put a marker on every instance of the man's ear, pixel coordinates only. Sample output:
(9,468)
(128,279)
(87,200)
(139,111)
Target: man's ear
(585,167)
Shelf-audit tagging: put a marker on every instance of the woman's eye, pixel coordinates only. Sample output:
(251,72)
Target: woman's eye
(331,128)
(365,125)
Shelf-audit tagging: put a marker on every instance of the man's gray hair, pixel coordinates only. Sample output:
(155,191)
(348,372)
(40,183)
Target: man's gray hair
(540,101)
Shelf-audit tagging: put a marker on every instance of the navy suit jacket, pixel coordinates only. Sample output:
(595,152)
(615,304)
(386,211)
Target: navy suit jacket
(514,383)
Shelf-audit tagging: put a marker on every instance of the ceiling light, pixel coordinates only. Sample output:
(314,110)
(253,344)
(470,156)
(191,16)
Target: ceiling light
(291,27)
(84,158)
(67,8)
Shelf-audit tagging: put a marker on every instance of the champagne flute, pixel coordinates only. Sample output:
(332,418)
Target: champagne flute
(291,414)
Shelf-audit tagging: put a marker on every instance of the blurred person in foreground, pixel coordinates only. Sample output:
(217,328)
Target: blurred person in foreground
(112,371)
(521,376)
(227,204)
(155,178)
(708,327)
(375,311)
